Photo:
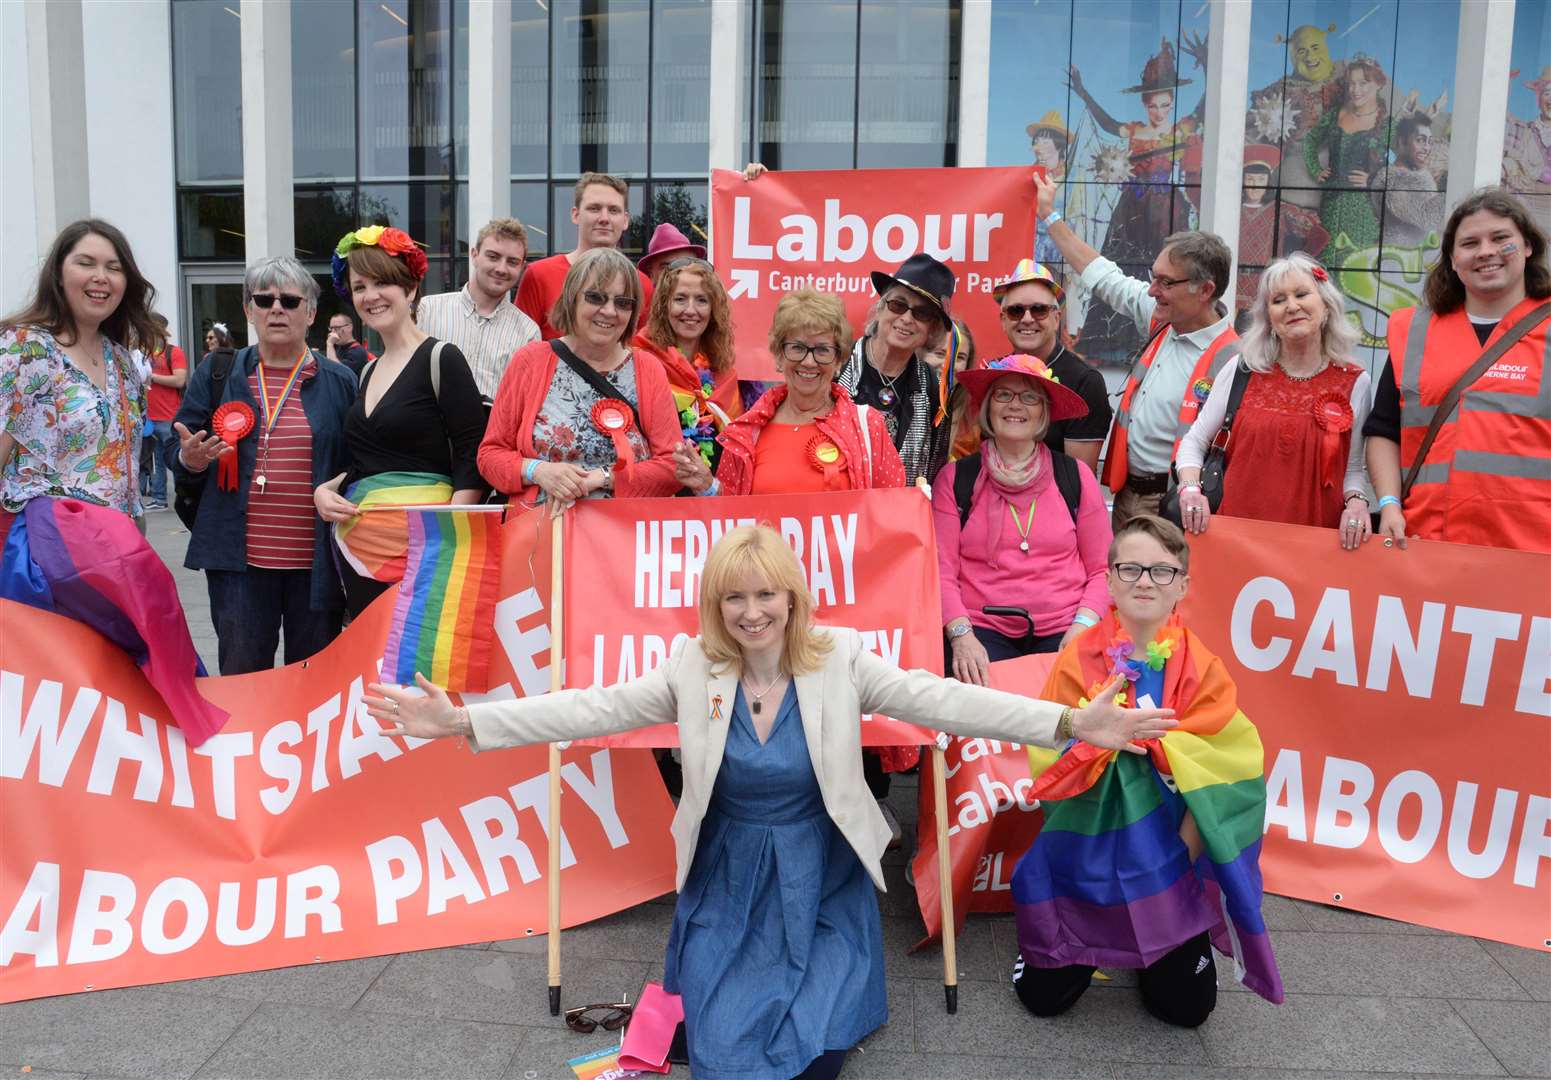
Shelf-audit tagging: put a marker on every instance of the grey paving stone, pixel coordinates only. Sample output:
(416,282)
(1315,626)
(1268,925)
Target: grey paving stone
(1396,965)
(135,1032)
(974,950)
(1345,920)
(492,986)
(900,899)
(1530,967)
(1517,1032)
(293,1041)
(639,933)
(543,1052)
(1283,913)
(14,1072)
(884,1065)
(1360,1034)
(1105,1025)
(1195,1072)
(899,1034)
(337,985)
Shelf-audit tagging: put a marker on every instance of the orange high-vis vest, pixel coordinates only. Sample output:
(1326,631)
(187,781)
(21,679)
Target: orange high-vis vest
(1222,351)
(1487,477)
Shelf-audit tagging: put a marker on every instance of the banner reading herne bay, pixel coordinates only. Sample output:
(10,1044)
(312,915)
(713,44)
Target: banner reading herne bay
(633,567)
(828,230)
(298,833)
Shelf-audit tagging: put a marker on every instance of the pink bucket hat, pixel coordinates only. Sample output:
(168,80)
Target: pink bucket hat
(1065,404)
(666,242)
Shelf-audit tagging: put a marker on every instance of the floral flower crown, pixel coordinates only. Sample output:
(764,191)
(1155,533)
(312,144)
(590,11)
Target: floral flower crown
(1015,363)
(395,242)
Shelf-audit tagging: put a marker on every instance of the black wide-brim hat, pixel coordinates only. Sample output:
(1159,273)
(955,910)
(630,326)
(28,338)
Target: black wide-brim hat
(925,276)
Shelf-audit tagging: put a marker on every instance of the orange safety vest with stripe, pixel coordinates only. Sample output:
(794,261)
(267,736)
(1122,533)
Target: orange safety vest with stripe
(1487,477)
(1222,351)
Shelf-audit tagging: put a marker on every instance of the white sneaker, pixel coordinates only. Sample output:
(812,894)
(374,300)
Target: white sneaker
(896,834)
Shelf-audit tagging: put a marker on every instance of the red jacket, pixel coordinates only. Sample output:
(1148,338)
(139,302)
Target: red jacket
(509,435)
(736,471)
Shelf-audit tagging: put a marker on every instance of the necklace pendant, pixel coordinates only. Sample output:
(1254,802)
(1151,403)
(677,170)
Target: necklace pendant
(259,481)
(886,398)
(754,708)
(1023,545)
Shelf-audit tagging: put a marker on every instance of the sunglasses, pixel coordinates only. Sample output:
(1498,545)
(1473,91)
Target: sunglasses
(616,1016)
(1015,312)
(267,301)
(921,312)
(686,260)
(601,299)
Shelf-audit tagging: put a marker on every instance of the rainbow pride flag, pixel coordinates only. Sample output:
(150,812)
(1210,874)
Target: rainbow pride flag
(444,616)
(1108,882)
(376,541)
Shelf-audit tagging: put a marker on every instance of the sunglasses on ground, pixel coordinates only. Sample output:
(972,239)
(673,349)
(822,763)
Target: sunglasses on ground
(616,1015)
(267,301)
(920,312)
(601,299)
(1015,312)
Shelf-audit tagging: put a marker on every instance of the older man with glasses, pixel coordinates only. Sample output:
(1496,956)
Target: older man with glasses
(256,435)
(1191,339)
(341,344)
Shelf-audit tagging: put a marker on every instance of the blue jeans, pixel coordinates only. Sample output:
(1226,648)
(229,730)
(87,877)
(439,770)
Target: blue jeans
(251,607)
(161,432)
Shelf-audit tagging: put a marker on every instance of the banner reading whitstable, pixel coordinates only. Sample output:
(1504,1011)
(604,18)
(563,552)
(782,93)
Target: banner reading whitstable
(300,832)
(828,230)
(633,569)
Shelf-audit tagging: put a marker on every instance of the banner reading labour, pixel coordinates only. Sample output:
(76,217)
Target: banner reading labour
(301,832)
(633,571)
(829,230)
(1404,700)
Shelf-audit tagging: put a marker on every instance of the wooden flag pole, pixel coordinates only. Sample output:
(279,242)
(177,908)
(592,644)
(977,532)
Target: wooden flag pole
(556,682)
(950,960)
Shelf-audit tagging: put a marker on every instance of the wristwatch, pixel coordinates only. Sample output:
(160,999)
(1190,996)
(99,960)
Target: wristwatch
(608,478)
(956,632)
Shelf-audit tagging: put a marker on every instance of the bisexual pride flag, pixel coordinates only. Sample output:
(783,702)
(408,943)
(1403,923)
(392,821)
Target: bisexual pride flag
(1108,881)
(90,563)
(444,617)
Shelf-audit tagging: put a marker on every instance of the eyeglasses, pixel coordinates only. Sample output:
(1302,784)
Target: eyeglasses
(267,301)
(1160,573)
(920,312)
(1164,282)
(1004,396)
(600,299)
(795,352)
(1015,312)
(577,1019)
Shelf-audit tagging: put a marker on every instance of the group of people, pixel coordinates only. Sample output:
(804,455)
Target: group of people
(606,378)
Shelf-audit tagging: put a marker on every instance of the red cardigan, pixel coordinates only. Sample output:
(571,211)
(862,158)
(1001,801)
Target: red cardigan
(736,471)
(509,435)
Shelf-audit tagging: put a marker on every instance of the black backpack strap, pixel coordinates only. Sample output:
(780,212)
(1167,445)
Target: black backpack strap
(600,386)
(966,471)
(1068,481)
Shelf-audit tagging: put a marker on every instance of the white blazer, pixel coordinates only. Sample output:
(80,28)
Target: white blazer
(832,700)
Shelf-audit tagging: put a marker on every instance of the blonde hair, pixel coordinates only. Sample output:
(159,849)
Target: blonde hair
(758,550)
(810,311)
(593,270)
(1260,347)
(504,228)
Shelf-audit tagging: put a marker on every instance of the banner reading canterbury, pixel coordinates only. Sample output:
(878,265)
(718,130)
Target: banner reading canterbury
(828,230)
(299,833)
(633,568)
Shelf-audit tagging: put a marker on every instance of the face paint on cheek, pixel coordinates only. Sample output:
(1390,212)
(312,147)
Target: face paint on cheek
(1508,249)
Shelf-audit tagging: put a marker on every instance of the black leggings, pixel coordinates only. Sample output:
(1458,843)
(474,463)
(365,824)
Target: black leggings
(1179,988)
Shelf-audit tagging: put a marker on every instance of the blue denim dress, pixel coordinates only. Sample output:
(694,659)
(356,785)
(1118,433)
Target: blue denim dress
(776,946)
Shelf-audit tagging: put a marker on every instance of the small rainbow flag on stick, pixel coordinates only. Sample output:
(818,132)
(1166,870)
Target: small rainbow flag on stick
(443,618)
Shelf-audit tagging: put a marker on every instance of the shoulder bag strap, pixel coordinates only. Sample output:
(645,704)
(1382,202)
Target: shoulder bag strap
(964,477)
(1450,400)
(366,372)
(436,371)
(600,386)
(861,416)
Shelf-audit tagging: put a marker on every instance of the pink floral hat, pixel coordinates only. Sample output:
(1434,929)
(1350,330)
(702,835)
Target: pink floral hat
(1065,404)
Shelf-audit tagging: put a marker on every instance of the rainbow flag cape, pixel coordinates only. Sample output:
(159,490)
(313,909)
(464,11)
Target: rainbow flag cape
(90,563)
(1108,882)
(375,543)
(445,611)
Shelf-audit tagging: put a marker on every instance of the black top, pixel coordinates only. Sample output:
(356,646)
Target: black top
(410,431)
(1384,418)
(898,414)
(1076,374)
(354,356)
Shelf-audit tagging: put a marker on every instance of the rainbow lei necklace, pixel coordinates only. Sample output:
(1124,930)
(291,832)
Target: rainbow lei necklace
(1127,663)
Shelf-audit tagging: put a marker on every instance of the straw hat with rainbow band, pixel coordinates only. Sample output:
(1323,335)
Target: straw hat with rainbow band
(1026,271)
(395,242)
(1065,404)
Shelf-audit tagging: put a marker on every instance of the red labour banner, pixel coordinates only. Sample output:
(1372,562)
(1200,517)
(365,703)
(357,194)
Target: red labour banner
(829,230)
(633,571)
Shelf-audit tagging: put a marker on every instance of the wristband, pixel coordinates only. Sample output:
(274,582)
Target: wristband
(1084,620)
(1053,217)
(1191,485)
(1388,500)
(1064,725)
(714,489)
(530,469)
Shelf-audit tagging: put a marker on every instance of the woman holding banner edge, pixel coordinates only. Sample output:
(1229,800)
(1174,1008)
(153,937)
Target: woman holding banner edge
(768,709)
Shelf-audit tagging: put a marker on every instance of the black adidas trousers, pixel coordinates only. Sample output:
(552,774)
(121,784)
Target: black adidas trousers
(1179,988)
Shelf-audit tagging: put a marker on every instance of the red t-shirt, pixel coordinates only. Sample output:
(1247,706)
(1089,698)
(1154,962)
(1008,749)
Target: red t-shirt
(784,466)
(541,285)
(161,402)
(282,518)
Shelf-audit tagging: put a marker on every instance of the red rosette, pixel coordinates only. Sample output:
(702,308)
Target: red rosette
(615,419)
(1333,414)
(826,457)
(231,423)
